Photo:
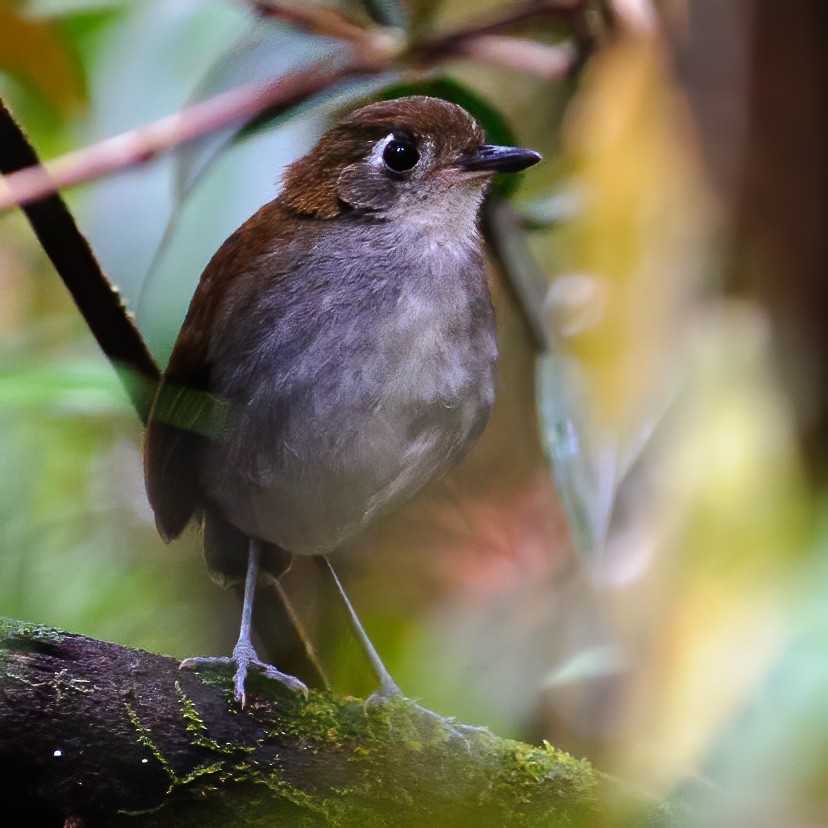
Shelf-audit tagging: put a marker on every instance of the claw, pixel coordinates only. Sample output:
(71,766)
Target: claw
(244,656)
(244,659)
(464,732)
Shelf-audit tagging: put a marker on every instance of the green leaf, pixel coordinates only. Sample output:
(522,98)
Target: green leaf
(583,460)
(87,387)
(346,94)
(596,662)
(507,239)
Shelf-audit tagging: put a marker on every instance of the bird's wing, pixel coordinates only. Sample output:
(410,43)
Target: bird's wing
(184,412)
(178,421)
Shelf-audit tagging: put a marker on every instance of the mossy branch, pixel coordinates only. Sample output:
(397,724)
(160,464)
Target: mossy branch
(93,733)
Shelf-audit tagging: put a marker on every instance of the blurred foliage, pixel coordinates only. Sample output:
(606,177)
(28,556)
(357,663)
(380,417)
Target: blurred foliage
(682,643)
(34,52)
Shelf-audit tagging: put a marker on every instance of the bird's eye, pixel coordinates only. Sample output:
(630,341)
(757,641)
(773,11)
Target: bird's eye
(400,154)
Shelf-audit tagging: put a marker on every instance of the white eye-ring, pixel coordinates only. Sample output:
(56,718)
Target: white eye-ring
(397,152)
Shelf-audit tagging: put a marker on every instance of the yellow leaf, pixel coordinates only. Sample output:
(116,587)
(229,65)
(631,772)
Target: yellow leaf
(33,52)
(643,225)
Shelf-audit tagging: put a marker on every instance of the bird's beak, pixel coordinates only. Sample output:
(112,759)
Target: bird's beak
(488,158)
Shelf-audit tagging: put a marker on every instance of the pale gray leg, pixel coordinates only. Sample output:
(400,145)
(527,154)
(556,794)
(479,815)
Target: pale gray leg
(388,687)
(244,656)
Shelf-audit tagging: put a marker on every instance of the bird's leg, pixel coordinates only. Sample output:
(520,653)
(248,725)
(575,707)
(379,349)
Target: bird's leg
(388,688)
(244,655)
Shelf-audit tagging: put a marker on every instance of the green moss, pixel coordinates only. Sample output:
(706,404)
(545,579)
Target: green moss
(194,725)
(388,743)
(198,774)
(527,775)
(145,739)
(217,772)
(15,635)
(305,801)
(385,745)
(397,764)
(193,722)
(322,718)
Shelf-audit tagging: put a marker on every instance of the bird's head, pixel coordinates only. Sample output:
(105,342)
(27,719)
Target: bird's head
(416,159)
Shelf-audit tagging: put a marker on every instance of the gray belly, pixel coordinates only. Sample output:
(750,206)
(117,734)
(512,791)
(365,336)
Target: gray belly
(351,413)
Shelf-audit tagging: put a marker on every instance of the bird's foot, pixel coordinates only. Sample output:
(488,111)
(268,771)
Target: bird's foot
(389,691)
(244,658)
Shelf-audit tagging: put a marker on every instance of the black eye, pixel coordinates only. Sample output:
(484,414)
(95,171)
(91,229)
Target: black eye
(400,154)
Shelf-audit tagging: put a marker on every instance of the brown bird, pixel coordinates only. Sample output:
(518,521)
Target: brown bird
(339,352)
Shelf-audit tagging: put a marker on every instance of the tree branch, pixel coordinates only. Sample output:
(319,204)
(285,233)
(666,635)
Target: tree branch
(320,20)
(140,145)
(368,52)
(96,297)
(550,62)
(112,736)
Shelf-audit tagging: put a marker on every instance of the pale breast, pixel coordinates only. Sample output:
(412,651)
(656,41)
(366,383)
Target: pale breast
(361,404)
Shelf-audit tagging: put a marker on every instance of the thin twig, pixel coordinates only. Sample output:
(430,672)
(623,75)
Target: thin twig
(144,143)
(372,53)
(434,47)
(550,62)
(320,20)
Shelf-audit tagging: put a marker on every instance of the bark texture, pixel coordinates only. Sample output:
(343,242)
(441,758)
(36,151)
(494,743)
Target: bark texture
(93,733)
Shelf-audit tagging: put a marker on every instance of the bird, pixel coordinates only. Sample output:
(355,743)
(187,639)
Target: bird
(339,353)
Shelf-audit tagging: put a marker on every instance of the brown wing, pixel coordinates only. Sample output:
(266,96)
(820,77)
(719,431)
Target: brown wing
(172,445)
(184,411)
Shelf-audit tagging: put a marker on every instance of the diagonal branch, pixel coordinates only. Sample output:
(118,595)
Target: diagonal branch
(547,61)
(144,143)
(319,20)
(369,52)
(96,297)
